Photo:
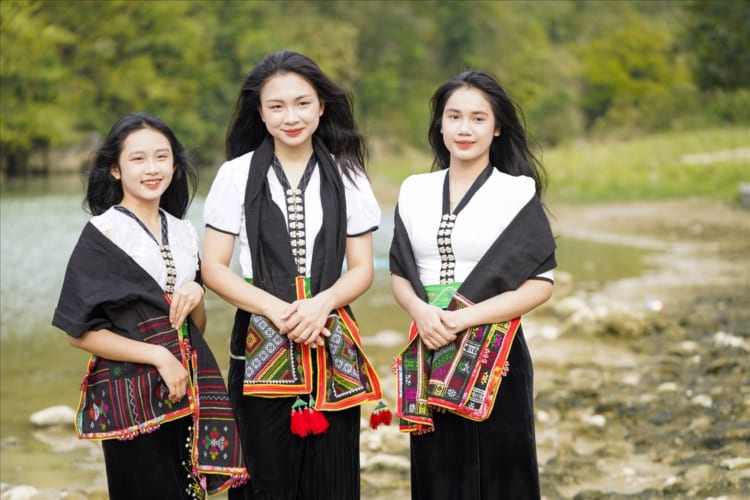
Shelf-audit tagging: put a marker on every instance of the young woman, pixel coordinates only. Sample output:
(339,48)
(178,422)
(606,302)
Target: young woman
(472,252)
(131,297)
(295,194)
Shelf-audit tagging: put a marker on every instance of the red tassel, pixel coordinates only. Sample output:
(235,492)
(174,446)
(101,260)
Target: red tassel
(318,421)
(381,415)
(300,422)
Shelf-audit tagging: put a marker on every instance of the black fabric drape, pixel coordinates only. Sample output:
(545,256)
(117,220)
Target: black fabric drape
(270,247)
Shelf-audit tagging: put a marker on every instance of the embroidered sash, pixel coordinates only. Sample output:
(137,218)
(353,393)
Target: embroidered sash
(122,400)
(462,377)
(276,366)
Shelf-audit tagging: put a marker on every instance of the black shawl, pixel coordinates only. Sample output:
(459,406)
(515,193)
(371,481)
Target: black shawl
(105,288)
(270,247)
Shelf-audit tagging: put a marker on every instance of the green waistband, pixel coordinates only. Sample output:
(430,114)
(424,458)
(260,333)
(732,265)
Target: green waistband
(441,294)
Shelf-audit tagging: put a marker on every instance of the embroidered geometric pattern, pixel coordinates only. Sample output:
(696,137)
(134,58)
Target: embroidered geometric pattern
(462,377)
(344,362)
(345,376)
(276,366)
(122,400)
(272,359)
(216,430)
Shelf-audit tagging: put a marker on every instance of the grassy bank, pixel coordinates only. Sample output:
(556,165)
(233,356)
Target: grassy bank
(704,163)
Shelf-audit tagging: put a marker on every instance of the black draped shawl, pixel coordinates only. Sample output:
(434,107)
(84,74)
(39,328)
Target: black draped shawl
(104,288)
(270,248)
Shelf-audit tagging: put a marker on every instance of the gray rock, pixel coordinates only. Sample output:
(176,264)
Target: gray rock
(54,415)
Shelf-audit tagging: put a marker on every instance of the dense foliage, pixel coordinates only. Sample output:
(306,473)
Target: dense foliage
(578,68)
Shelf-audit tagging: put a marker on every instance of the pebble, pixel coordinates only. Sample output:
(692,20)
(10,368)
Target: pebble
(54,415)
(20,493)
(736,463)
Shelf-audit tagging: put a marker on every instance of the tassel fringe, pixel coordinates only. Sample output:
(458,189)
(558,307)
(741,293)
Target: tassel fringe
(306,420)
(381,415)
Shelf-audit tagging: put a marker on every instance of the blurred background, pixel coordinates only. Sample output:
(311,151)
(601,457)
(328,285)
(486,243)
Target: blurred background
(640,111)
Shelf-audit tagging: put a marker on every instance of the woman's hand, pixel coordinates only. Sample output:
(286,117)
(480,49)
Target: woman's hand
(173,374)
(304,320)
(436,327)
(185,299)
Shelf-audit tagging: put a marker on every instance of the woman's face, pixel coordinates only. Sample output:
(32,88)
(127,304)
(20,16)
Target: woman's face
(468,127)
(145,167)
(291,110)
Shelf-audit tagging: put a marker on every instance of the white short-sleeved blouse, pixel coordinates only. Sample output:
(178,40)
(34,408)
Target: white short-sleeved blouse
(126,233)
(224,208)
(477,225)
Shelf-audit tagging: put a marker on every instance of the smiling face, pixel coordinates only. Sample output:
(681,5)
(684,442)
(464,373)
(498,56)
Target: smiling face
(468,127)
(145,168)
(291,110)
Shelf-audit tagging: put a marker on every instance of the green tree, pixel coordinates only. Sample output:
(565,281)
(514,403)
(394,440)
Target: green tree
(633,66)
(32,111)
(718,39)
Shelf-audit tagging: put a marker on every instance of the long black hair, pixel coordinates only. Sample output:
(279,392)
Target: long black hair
(104,191)
(337,127)
(509,152)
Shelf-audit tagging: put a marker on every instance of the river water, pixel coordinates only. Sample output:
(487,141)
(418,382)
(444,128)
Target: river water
(40,221)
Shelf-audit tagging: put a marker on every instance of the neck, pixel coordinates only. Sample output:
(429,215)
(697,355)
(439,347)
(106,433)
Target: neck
(148,213)
(297,154)
(463,171)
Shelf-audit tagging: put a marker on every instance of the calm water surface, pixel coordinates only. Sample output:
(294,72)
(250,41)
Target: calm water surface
(38,369)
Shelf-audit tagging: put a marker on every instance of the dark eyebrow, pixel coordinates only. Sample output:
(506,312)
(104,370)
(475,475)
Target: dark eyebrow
(453,110)
(160,150)
(298,98)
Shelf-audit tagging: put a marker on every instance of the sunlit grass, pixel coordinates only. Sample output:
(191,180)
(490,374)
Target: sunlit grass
(705,163)
(708,163)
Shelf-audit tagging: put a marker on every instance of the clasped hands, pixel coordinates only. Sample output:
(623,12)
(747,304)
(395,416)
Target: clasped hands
(304,321)
(437,327)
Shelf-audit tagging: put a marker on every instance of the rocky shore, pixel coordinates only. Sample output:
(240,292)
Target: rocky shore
(642,387)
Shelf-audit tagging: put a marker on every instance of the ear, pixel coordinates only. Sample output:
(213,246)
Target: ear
(498,131)
(260,113)
(114,171)
(322,107)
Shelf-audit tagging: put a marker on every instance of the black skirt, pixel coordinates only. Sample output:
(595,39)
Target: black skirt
(494,459)
(284,466)
(155,466)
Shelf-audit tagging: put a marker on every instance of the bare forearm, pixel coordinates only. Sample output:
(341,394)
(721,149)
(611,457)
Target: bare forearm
(238,292)
(348,288)
(507,305)
(109,345)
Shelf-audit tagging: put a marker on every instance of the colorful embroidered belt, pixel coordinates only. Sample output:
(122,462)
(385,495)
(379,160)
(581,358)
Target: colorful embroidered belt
(276,366)
(440,295)
(121,400)
(462,377)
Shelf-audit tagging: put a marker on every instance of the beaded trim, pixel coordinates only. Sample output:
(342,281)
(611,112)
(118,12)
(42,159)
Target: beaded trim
(448,222)
(166,252)
(447,259)
(295,211)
